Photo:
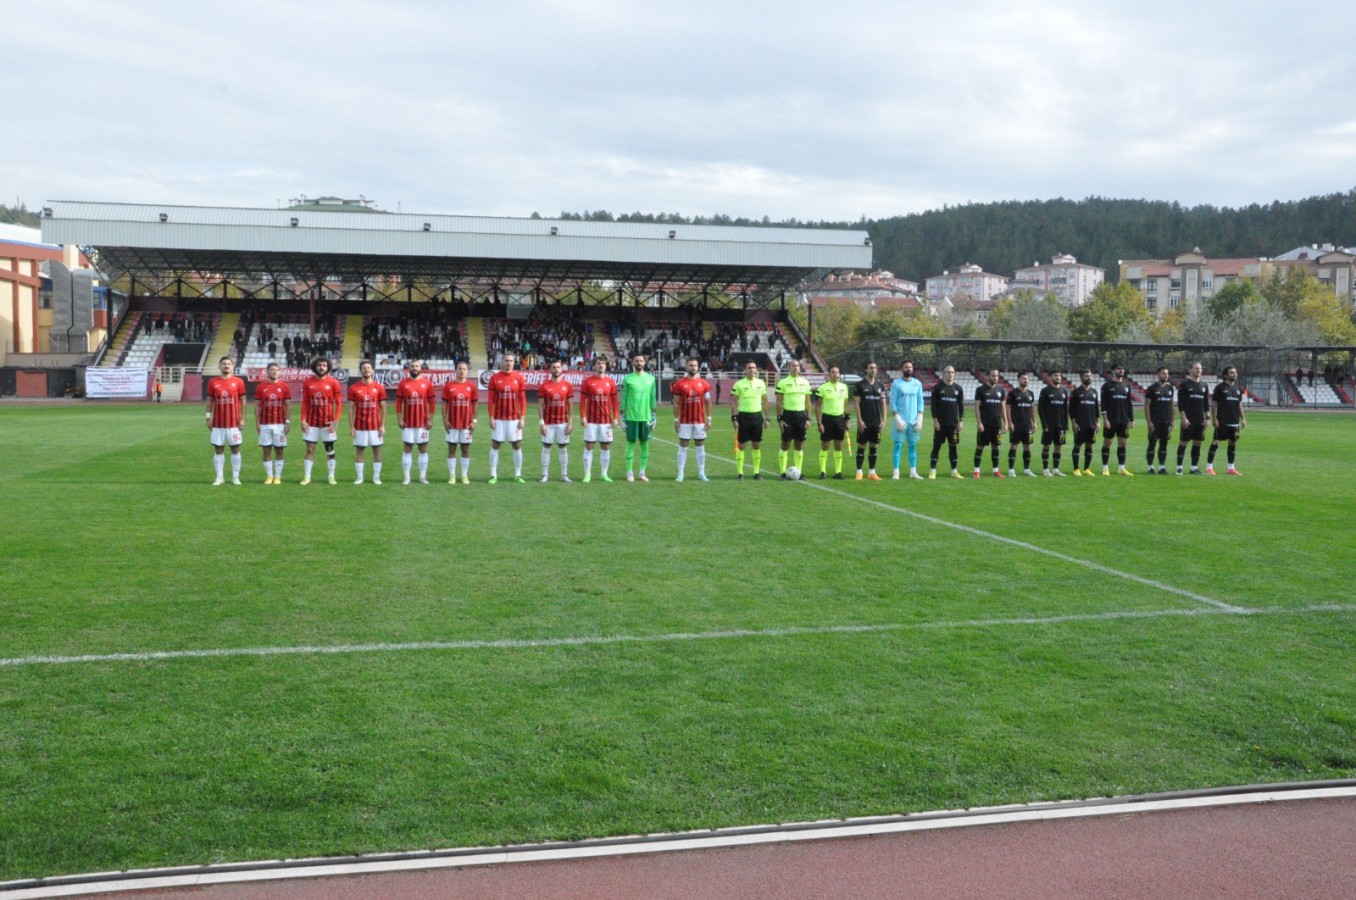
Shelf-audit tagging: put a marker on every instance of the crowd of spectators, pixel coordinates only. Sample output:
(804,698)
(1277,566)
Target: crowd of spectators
(425,331)
(675,343)
(184,328)
(297,351)
(550,333)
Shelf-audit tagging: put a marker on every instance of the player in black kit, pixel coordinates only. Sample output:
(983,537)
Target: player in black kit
(989,400)
(1193,401)
(1053,408)
(948,417)
(1160,408)
(1118,417)
(1085,411)
(869,399)
(1228,417)
(1020,412)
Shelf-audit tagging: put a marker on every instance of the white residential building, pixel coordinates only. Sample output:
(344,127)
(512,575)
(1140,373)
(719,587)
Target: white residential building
(970,282)
(1065,277)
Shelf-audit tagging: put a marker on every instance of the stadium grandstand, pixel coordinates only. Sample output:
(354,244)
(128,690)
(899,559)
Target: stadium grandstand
(345,280)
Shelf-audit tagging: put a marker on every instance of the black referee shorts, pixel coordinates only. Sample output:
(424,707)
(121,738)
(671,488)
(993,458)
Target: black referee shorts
(749,427)
(793,424)
(835,428)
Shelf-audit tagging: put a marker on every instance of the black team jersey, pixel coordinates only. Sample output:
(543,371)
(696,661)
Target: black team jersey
(1085,407)
(1228,404)
(1053,407)
(873,402)
(990,399)
(1118,404)
(1022,408)
(948,404)
(1160,398)
(1193,399)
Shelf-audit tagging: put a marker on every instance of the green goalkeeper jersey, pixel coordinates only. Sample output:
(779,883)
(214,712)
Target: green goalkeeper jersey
(638,397)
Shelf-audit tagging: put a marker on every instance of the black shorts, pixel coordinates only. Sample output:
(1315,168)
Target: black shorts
(867,433)
(1114,430)
(948,433)
(835,428)
(1084,436)
(793,424)
(991,435)
(1052,436)
(1160,430)
(749,427)
(1019,436)
(1226,434)
(1194,431)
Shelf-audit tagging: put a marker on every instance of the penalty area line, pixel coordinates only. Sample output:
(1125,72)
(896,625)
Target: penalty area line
(677,637)
(989,535)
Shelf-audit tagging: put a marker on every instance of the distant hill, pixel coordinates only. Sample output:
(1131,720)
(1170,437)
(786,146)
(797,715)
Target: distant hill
(18,216)
(1002,237)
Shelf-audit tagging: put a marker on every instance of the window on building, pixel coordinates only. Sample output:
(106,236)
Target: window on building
(1176,284)
(1152,286)
(1207,284)
(1173,301)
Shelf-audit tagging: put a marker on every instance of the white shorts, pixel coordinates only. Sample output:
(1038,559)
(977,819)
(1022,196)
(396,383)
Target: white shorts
(222,437)
(323,434)
(506,431)
(414,435)
(692,432)
(367,439)
(459,436)
(600,433)
(556,434)
(272,435)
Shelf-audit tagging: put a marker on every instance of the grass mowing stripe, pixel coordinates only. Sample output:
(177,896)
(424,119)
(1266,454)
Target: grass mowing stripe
(603,640)
(979,532)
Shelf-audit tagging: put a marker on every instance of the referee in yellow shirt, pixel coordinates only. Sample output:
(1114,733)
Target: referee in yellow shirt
(749,395)
(793,395)
(832,419)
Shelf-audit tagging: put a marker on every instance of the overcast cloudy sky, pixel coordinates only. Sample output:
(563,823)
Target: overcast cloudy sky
(818,110)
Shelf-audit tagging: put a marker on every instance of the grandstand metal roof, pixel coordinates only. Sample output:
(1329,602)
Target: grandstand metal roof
(305,244)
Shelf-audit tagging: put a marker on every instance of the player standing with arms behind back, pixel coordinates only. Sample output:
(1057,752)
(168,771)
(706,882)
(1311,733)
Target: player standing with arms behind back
(1229,420)
(367,420)
(1118,417)
(868,399)
(414,407)
(989,401)
(225,415)
(638,396)
(1160,408)
(1019,409)
(1193,401)
(322,401)
(598,411)
(692,416)
(1053,408)
(948,418)
(508,405)
(272,421)
(1085,410)
(554,421)
(460,396)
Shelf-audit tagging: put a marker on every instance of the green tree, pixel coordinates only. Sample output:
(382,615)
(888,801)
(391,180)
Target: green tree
(1110,310)
(835,328)
(1320,307)
(1030,316)
(1286,289)
(1229,299)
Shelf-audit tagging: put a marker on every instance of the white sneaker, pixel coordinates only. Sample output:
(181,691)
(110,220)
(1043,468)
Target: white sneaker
(894,476)
(358,481)
(219,481)
(1030,474)
(544,478)
(376,481)
(235,481)
(680,477)
(701,476)
(1057,473)
(1012,473)
(630,476)
(566,479)
(643,477)
(1046,473)
(915,476)
(405,480)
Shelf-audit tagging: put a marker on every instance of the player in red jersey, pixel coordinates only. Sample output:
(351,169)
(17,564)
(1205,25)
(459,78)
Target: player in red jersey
(225,414)
(414,405)
(508,405)
(272,421)
(692,416)
(598,411)
(322,401)
(367,420)
(459,418)
(556,423)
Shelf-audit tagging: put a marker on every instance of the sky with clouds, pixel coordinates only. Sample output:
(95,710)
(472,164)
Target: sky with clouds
(810,110)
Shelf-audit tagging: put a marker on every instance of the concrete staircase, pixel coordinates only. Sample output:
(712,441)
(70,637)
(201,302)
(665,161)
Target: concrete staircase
(224,342)
(475,343)
(122,339)
(351,350)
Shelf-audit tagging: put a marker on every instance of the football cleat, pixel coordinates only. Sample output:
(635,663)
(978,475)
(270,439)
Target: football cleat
(1105,471)
(872,476)
(1088,472)
(701,476)
(465,479)
(1232,471)
(358,481)
(1210,470)
(680,477)
(643,477)
(976,473)
(604,479)
(566,479)
(1078,473)
(932,475)
(518,479)
(859,477)
(423,479)
(305,481)
(452,480)
(1126,472)
(757,476)
(544,478)
(235,481)
(1028,473)
(838,476)
(218,481)
(405,480)
(998,474)
(630,476)
(376,481)
(588,476)
(333,480)
(955,474)
(1058,474)
(494,479)
(915,476)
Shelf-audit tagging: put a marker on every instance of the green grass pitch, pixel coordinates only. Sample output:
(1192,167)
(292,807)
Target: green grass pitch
(795,653)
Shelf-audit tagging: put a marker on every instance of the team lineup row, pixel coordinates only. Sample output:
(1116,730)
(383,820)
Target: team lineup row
(603,404)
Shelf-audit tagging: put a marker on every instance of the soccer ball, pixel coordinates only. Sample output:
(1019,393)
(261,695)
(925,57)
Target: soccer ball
(793,473)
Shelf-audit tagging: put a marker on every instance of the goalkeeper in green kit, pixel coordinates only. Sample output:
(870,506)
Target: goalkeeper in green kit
(637,405)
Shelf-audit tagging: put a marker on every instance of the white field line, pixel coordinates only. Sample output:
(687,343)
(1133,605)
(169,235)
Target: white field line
(989,535)
(266,870)
(673,637)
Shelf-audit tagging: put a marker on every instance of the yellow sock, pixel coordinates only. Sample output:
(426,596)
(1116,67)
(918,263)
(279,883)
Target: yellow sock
(781,462)
(739,461)
(823,461)
(757,461)
(798,459)
(838,462)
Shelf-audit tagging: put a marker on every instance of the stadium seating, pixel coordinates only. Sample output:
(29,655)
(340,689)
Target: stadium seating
(145,347)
